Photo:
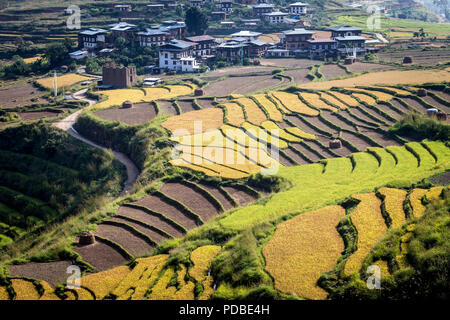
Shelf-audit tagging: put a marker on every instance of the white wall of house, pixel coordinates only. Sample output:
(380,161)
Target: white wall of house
(297,9)
(172,60)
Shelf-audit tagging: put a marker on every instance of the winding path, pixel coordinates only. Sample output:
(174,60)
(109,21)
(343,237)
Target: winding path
(67,123)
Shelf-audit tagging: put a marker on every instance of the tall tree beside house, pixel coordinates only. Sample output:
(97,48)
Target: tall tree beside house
(196,21)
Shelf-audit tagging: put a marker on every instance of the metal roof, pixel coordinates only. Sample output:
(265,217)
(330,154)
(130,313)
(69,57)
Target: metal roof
(200,38)
(298,4)
(297,32)
(92,31)
(344,28)
(350,38)
(246,33)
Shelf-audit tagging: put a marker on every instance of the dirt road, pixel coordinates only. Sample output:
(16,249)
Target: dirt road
(67,123)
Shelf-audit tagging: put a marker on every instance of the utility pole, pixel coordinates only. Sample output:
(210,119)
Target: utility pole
(55,84)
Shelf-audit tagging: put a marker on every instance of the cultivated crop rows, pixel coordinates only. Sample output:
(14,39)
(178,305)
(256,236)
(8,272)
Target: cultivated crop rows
(305,247)
(293,128)
(148,278)
(177,207)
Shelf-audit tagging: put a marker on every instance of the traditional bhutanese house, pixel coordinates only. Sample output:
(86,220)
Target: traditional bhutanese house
(298,8)
(205,45)
(227,24)
(260,9)
(231,49)
(257,48)
(172,53)
(275,17)
(296,39)
(177,29)
(155,7)
(123,29)
(344,31)
(92,38)
(351,46)
(153,37)
(321,47)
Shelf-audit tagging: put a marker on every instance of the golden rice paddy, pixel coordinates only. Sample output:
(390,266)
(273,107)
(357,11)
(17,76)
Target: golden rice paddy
(303,248)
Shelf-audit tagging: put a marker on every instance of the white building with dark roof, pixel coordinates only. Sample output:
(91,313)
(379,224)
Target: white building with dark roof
(92,38)
(178,55)
(298,8)
(276,17)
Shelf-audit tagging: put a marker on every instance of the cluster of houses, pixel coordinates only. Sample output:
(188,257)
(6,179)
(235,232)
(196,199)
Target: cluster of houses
(180,53)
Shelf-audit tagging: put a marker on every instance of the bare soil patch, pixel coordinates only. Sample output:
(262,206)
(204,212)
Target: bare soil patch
(155,236)
(311,155)
(319,124)
(149,219)
(328,115)
(332,71)
(316,146)
(301,125)
(400,106)
(205,103)
(263,82)
(101,256)
(437,104)
(441,179)
(295,156)
(130,242)
(140,113)
(237,70)
(299,75)
(382,139)
(241,85)
(52,272)
(415,105)
(355,117)
(191,199)
(30,116)
(21,96)
(290,62)
(157,204)
(358,142)
(378,116)
(240,196)
(430,57)
(389,111)
(358,67)
(166,108)
(218,194)
(186,106)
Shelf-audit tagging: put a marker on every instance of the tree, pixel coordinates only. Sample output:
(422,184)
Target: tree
(196,21)
(56,53)
(120,43)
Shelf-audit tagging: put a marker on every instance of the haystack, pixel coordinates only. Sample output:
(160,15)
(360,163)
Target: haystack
(349,61)
(432,111)
(86,237)
(407,60)
(335,144)
(199,92)
(127,104)
(422,92)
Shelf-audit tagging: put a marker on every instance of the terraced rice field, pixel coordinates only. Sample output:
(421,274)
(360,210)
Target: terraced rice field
(65,80)
(359,117)
(409,77)
(308,245)
(175,209)
(148,278)
(118,96)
